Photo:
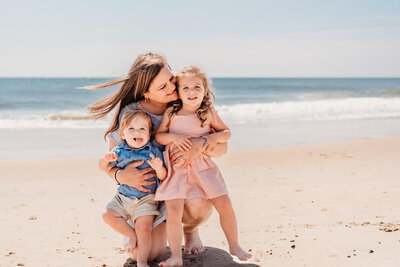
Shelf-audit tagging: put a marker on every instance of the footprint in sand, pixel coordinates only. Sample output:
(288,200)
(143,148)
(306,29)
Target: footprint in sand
(18,206)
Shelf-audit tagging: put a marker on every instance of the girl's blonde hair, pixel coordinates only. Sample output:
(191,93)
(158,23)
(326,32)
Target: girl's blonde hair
(145,68)
(208,99)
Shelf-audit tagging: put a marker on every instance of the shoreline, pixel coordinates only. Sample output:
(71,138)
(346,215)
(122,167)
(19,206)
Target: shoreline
(64,142)
(327,204)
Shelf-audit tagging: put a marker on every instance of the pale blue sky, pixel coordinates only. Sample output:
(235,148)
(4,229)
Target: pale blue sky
(228,38)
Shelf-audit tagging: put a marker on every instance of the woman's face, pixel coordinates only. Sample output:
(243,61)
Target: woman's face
(162,88)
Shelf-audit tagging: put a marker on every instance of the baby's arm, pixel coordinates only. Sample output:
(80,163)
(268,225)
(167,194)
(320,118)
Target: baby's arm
(222,132)
(104,162)
(165,138)
(157,165)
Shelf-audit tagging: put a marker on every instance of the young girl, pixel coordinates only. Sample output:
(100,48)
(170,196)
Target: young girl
(194,116)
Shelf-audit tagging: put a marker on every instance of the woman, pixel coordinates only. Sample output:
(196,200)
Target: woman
(150,86)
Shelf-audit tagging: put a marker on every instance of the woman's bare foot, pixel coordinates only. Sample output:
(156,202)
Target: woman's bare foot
(193,244)
(142,264)
(171,262)
(240,253)
(130,244)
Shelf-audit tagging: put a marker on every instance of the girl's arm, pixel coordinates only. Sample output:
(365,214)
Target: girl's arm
(198,147)
(164,137)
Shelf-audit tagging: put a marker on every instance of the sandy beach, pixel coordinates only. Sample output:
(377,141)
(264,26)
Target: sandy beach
(327,204)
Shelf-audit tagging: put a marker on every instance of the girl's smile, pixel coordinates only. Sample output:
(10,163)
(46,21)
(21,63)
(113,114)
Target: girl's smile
(191,90)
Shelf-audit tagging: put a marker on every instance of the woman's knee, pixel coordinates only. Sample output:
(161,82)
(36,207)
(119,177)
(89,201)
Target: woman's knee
(196,211)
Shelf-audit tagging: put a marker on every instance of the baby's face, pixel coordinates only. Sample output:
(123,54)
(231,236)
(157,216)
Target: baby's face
(191,90)
(137,132)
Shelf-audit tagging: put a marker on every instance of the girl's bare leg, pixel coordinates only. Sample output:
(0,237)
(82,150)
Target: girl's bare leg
(143,227)
(119,224)
(174,232)
(228,223)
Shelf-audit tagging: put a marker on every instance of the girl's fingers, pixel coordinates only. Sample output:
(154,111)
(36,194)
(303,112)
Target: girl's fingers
(187,147)
(187,140)
(184,146)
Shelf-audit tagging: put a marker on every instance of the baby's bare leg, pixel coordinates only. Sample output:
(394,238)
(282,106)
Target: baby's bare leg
(228,223)
(143,231)
(119,224)
(174,232)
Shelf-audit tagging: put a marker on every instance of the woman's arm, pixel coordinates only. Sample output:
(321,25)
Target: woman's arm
(222,132)
(130,176)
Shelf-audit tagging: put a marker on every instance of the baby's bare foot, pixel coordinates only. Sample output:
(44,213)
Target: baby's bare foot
(171,262)
(130,244)
(240,253)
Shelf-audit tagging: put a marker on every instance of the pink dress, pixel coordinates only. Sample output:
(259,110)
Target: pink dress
(201,178)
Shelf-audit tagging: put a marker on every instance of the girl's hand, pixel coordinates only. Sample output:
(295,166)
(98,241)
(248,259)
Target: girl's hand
(110,156)
(155,163)
(182,142)
(210,144)
(184,158)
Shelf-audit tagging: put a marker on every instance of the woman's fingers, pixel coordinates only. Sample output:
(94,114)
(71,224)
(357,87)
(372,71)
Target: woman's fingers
(147,171)
(135,164)
(175,155)
(144,189)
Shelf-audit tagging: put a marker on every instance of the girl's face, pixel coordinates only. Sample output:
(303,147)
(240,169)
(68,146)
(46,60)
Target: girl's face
(191,90)
(162,88)
(137,132)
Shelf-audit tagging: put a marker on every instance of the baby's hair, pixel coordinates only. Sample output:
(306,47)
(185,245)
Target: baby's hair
(130,115)
(209,97)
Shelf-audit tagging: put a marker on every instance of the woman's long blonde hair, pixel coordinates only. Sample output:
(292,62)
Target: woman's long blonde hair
(208,99)
(145,68)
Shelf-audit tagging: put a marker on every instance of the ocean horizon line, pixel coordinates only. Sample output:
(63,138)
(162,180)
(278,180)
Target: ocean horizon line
(212,77)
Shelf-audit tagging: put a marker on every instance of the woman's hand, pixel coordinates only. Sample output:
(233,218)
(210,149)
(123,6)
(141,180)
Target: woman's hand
(182,142)
(133,177)
(210,144)
(186,157)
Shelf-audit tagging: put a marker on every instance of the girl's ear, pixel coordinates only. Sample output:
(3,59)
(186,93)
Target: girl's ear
(122,135)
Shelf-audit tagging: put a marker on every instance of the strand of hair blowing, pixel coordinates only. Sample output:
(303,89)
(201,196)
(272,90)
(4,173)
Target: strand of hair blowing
(145,68)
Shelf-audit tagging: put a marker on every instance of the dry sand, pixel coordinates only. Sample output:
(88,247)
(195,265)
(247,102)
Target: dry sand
(331,204)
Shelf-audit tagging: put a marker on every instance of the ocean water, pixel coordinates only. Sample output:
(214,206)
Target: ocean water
(50,103)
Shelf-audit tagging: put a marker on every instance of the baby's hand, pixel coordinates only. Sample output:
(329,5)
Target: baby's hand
(155,163)
(210,144)
(182,142)
(110,156)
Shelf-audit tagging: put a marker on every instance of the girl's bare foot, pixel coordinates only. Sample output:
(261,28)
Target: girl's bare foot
(240,253)
(171,262)
(193,244)
(130,244)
